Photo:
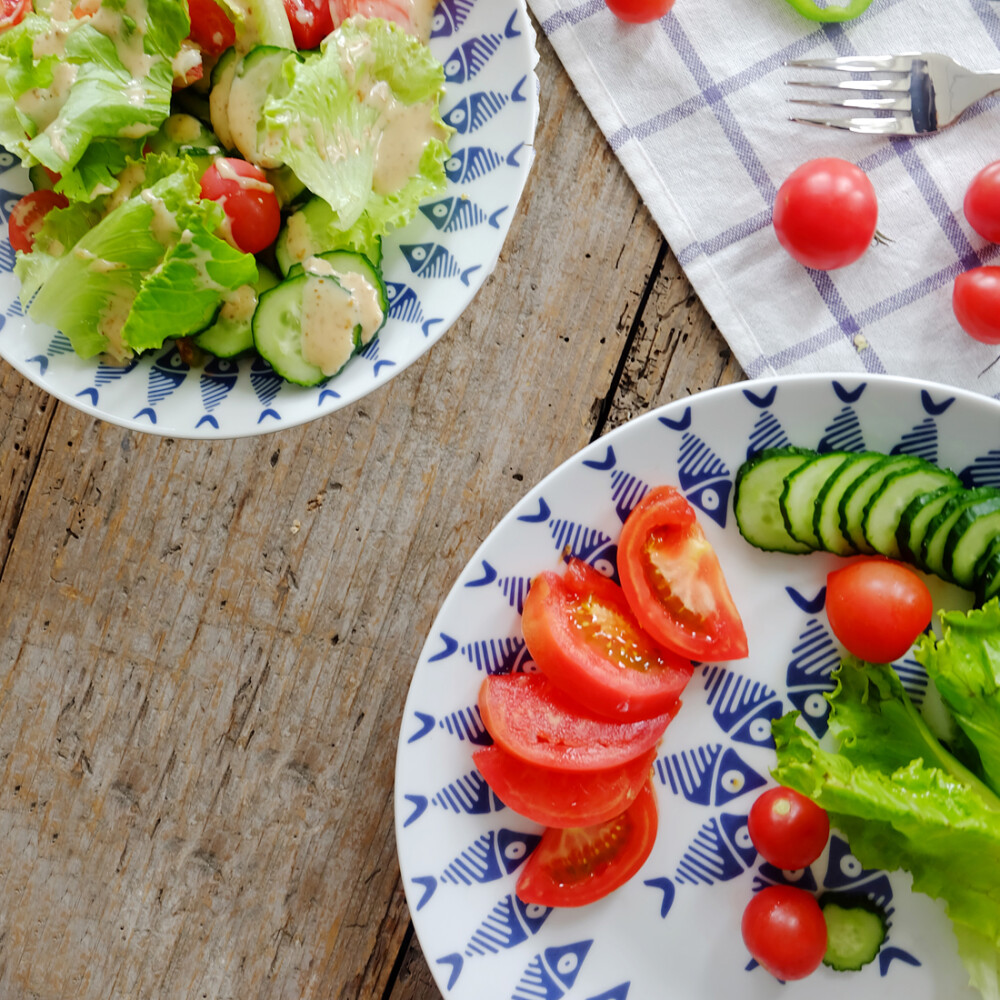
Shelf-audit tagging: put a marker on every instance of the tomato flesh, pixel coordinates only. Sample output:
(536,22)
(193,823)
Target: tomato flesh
(580,865)
(562,798)
(253,213)
(982,202)
(639,11)
(673,581)
(784,930)
(788,829)
(532,719)
(211,29)
(877,608)
(13,12)
(584,637)
(311,21)
(29,214)
(976,302)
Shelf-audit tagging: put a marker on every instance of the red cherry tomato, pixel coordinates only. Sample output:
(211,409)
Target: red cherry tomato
(783,928)
(563,798)
(585,639)
(532,719)
(982,203)
(825,213)
(579,865)
(12,12)
(788,830)
(976,302)
(877,608)
(29,214)
(253,213)
(673,581)
(311,21)
(639,11)
(211,29)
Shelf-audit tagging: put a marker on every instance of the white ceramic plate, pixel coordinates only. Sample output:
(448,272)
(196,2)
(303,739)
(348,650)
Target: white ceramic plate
(674,930)
(433,267)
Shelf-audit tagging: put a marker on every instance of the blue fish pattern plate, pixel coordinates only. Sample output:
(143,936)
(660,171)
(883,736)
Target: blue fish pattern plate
(433,267)
(673,931)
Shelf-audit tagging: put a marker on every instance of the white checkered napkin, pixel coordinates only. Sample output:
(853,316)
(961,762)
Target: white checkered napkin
(695,107)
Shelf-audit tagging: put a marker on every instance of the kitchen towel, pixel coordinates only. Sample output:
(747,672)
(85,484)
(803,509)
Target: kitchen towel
(695,107)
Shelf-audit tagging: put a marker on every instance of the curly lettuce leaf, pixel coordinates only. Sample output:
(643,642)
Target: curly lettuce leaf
(370,83)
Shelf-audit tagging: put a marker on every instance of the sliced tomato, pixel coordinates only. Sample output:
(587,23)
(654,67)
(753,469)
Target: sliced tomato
(310,20)
(579,865)
(29,214)
(673,581)
(253,214)
(529,717)
(211,29)
(13,12)
(563,798)
(584,637)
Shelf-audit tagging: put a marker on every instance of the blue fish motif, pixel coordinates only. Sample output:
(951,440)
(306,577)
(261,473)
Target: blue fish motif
(8,199)
(708,775)
(470,57)
(577,541)
(106,374)
(166,376)
(8,161)
(510,923)
(767,874)
(449,17)
(430,260)
(475,110)
(492,856)
(514,588)
(468,795)
(742,707)
(914,679)
(508,655)
(8,258)
(619,992)
(466,725)
(453,214)
(471,163)
(218,379)
(58,345)
(921,440)
(552,973)
(767,432)
(626,491)
(266,384)
(720,851)
(704,478)
(404,304)
(843,433)
(984,471)
(814,658)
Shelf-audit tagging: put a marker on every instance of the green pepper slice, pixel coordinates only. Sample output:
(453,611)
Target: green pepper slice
(810,9)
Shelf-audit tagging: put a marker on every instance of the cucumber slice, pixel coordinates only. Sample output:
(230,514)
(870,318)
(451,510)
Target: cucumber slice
(932,548)
(800,495)
(987,582)
(256,77)
(218,98)
(855,932)
(970,538)
(756,498)
(827,522)
(915,518)
(855,499)
(232,332)
(882,513)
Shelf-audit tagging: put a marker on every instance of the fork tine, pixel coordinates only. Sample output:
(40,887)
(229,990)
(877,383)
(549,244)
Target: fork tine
(857,64)
(891,86)
(867,126)
(862,103)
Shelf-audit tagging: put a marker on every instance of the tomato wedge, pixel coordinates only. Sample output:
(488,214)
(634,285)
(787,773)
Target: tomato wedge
(584,637)
(673,581)
(579,865)
(563,798)
(529,717)
(28,214)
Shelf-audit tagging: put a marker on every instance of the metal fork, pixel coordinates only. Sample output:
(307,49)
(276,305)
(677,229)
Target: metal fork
(919,93)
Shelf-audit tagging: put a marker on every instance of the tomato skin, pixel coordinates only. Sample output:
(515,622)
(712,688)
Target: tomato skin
(580,865)
(13,12)
(563,798)
(982,202)
(825,213)
(663,530)
(783,928)
(529,717)
(976,301)
(584,637)
(211,29)
(639,11)
(877,608)
(311,21)
(788,829)
(252,210)
(28,215)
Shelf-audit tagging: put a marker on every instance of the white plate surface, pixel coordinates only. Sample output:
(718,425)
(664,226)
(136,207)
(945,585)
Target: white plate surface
(673,931)
(433,267)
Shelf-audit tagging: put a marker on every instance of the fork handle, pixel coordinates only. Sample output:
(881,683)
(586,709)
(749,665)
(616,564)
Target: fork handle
(974,87)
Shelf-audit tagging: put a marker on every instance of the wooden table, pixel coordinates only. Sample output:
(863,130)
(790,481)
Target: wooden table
(206,646)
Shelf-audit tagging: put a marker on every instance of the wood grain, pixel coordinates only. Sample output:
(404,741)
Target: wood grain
(206,646)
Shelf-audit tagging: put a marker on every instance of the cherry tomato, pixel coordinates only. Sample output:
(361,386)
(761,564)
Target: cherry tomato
(583,636)
(579,865)
(673,581)
(825,213)
(976,302)
(211,29)
(783,928)
(877,608)
(12,12)
(253,213)
(982,202)
(788,829)
(532,719)
(29,214)
(639,11)
(563,798)
(311,21)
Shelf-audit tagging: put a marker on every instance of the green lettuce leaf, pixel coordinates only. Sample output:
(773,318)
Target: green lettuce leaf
(317,124)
